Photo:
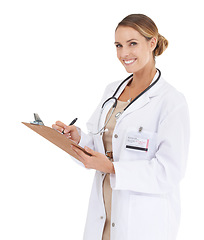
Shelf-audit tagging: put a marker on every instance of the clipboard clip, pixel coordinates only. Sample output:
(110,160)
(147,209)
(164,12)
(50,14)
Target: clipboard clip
(37,121)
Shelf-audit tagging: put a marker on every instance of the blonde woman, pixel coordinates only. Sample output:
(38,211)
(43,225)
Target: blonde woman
(138,138)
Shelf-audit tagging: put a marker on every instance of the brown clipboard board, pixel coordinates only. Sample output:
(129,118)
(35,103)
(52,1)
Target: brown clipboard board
(56,138)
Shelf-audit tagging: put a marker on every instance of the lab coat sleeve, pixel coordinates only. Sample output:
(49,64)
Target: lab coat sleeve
(87,139)
(162,173)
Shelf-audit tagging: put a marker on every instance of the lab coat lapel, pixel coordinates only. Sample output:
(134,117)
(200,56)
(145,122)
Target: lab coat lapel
(144,99)
(141,102)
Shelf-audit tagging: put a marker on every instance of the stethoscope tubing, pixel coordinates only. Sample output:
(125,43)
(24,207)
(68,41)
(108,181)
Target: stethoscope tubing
(118,88)
(150,86)
(115,100)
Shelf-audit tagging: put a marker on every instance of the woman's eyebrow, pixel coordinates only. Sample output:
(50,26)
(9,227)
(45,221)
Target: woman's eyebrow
(132,40)
(127,41)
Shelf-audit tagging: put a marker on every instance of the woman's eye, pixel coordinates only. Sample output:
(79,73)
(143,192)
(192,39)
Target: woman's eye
(133,43)
(118,45)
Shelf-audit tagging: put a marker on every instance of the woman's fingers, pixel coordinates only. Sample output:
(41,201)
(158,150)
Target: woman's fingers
(56,127)
(69,131)
(82,156)
(60,126)
(90,151)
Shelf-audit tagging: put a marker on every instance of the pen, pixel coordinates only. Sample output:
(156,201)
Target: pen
(72,123)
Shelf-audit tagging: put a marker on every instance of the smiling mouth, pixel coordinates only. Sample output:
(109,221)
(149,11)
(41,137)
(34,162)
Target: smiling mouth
(129,62)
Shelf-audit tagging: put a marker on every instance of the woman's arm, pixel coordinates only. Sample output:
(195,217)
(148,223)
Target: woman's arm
(97,161)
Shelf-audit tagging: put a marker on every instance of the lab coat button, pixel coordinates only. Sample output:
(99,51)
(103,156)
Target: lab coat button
(101,217)
(113,224)
(116,136)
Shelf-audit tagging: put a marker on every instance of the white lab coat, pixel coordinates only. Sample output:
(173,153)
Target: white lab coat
(145,186)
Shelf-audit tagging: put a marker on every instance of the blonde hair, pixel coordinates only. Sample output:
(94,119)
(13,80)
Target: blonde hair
(147,28)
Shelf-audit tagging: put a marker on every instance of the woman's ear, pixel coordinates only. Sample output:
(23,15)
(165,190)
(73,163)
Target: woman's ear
(153,43)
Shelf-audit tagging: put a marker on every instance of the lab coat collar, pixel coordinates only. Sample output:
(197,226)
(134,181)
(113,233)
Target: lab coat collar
(145,98)
(155,90)
(151,93)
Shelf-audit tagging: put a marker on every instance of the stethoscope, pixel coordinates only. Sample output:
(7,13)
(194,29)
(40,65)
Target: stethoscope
(116,101)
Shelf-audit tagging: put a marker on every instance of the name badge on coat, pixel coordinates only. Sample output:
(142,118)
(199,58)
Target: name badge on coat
(137,143)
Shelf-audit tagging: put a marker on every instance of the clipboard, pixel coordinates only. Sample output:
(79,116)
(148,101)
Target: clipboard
(56,138)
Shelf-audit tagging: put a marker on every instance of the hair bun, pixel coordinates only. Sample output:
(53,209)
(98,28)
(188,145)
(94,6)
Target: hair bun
(162,45)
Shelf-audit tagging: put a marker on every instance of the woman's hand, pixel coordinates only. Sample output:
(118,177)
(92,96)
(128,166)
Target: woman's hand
(69,131)
(97,161)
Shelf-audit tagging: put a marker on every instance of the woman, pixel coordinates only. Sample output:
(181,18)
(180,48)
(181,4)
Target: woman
(139,149)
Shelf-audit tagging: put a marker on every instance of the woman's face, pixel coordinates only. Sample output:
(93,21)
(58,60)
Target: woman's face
(133,50)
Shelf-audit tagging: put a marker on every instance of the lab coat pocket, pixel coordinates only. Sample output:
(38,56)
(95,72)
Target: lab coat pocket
(140,144)
(148,217)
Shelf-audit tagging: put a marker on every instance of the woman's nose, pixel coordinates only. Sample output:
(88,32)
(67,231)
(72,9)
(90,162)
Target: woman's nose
(125,53)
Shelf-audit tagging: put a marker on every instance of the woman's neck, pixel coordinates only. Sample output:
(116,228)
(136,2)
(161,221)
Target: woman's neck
(143,77)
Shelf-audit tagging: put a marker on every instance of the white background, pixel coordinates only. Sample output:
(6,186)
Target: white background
(56,57)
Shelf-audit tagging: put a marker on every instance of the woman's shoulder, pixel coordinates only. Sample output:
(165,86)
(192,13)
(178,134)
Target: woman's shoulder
(113,85)
(170,92)
(111,88)
(171,98)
